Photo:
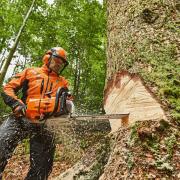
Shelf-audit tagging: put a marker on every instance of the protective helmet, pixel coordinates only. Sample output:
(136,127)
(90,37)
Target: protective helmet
(58,52)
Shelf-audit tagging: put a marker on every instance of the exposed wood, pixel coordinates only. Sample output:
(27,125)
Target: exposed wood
(127,93)
(125,121)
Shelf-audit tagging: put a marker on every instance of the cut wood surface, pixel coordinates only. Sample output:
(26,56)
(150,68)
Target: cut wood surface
(127,93)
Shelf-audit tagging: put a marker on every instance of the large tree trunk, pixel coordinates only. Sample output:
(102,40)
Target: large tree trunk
(143,41)
(143,79)
(14,47)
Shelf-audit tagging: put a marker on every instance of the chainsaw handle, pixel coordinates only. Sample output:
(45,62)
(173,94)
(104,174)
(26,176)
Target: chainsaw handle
(63,102)
(61,95)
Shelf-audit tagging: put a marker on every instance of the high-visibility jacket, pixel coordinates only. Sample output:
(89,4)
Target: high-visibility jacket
(36,83)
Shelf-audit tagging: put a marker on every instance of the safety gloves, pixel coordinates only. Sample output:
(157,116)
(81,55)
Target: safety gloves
(19,110)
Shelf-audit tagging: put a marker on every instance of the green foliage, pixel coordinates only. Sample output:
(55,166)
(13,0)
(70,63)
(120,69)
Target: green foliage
(130,160)
(26,146)
(84,35)
(170,142)
(77,26)
(134,134)
(11,17)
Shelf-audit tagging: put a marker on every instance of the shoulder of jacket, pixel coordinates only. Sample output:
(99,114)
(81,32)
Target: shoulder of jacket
(62,78)
(33,70)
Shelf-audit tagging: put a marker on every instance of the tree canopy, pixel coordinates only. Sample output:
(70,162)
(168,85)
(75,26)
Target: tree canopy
(76,25)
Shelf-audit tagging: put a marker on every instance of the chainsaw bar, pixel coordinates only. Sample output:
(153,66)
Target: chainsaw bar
(66,118)
(98,117)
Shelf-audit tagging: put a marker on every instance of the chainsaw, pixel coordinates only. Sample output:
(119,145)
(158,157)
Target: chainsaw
(39,110)
(47,107)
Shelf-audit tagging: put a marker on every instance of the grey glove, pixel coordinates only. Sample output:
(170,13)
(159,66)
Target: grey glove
(70,106)
(20,110)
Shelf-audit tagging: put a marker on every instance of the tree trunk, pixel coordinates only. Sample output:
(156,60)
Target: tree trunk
(76,78)
(2,59)
(143,80)
(143,59)
(2,44)
(14,47)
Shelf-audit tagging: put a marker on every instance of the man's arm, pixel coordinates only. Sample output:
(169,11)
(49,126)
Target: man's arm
(11,88)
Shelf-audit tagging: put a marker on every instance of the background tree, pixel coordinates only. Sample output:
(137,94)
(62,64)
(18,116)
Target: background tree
(15,44)
(73,25)
(77,26)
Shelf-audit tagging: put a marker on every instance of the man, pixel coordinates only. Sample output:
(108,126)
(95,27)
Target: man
(36,84)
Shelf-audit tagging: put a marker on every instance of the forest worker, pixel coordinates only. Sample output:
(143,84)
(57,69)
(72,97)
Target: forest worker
(35,83)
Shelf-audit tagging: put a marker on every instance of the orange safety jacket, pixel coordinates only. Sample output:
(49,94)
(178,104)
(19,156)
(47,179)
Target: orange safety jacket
(36,83)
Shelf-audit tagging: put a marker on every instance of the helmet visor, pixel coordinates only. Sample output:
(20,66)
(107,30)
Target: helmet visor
(57,64)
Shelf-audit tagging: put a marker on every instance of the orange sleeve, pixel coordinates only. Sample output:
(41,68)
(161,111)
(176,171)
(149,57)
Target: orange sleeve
(66,83)
(12,87)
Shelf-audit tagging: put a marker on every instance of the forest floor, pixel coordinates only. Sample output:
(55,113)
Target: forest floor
(18,165)
(82,143)
(146,150)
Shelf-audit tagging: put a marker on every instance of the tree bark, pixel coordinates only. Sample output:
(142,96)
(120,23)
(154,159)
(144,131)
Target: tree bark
(14,47)
(143,41)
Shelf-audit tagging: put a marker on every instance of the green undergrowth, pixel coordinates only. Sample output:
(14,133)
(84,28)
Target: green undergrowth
(23,148)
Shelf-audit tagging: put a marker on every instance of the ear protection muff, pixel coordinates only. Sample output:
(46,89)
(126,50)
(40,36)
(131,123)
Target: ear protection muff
(47,57)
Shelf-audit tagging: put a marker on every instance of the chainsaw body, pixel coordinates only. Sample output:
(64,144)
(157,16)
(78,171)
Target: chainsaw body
(47,106)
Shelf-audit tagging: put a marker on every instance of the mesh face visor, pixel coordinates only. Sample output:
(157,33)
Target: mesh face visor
(59,53)
(65,63)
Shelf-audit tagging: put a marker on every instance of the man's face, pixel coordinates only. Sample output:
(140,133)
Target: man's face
(56,64)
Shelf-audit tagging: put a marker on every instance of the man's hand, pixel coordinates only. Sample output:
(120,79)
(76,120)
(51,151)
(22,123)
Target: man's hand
(20,110)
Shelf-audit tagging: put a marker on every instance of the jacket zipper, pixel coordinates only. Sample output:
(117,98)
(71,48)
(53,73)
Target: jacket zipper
(41,91)
(47,84)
